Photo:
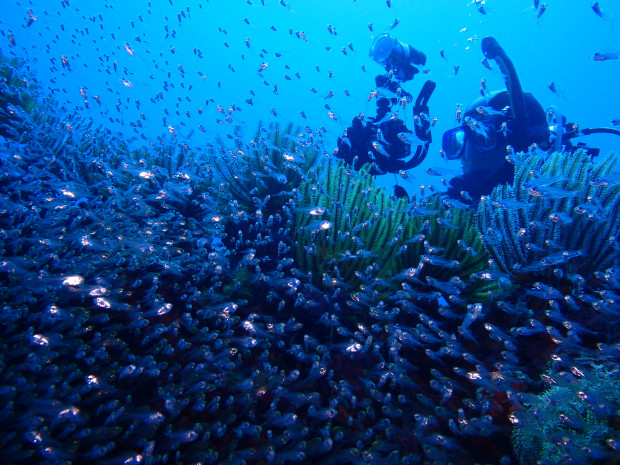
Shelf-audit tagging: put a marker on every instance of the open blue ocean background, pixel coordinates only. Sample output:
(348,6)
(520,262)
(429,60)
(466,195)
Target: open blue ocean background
(186,280)
(555,47)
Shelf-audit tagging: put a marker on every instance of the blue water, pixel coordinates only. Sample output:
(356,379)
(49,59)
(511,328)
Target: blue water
(188,385)
(556,47)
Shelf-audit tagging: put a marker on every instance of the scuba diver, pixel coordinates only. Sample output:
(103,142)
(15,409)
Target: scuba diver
(495,126)
(385,141)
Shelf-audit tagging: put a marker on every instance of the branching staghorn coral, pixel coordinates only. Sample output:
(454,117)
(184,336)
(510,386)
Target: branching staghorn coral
(346,230)
(560,210)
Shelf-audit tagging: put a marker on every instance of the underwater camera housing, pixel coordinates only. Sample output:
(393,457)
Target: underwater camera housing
(396,56)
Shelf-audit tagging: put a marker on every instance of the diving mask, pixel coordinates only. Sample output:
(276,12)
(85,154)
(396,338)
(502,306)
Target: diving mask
(484,136)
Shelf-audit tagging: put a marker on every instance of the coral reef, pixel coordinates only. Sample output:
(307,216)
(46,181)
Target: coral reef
(575,421)
(562,211)
(262,173)
(17,97)
(165,306)
(100,265)
(554,232)
(347,230)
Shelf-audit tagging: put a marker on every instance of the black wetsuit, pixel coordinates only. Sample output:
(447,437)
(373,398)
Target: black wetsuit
(478,183)
(376,140)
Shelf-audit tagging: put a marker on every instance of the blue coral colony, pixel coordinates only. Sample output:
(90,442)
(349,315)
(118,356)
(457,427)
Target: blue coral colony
(263,302)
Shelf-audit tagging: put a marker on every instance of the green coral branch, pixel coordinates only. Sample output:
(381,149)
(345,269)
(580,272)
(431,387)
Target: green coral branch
(363,235)
(563,203)
(17,97)
(276,161)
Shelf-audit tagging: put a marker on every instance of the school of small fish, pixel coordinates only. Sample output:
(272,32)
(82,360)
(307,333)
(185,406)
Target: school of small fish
(154,308)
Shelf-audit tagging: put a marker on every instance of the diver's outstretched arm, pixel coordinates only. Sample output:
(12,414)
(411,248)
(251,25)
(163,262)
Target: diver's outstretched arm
(422,128)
